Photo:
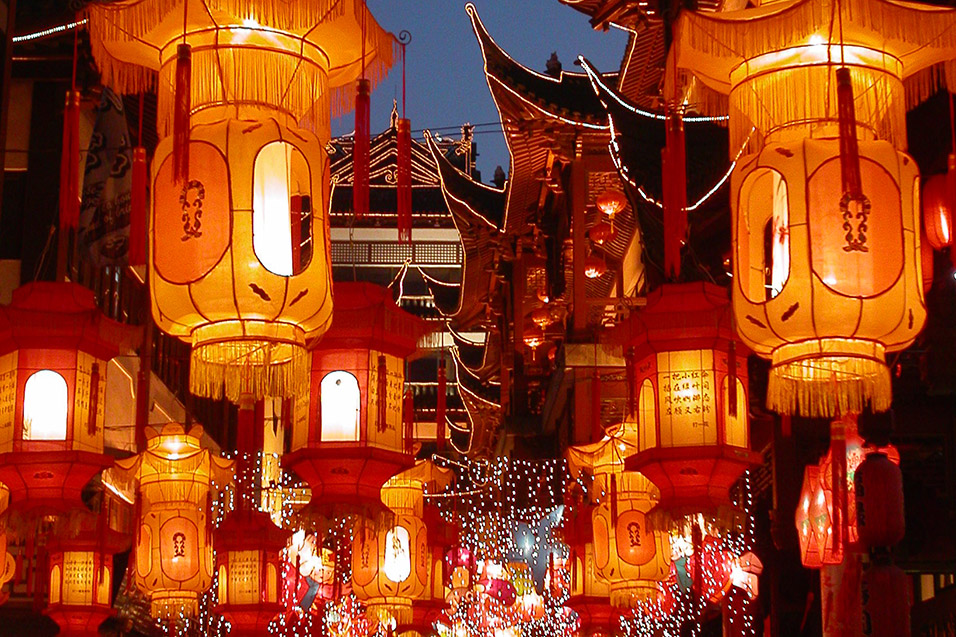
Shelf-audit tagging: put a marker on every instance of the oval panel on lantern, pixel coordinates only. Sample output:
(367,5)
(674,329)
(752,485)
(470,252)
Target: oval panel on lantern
(196,223)
(144,550)
(635,542)
(398,560)
(855,254)
(602,537)
(423,554)
(179,548)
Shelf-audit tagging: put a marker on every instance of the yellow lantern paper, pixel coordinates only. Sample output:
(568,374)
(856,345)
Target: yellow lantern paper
(173,545)
(629,553)
(822,292)
(392,562)
(238,259)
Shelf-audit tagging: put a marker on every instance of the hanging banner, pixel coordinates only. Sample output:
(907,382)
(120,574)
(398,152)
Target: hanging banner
(107,186)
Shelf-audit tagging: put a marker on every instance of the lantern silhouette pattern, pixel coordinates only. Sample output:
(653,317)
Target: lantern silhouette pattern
(238,261)
(629,553)
(690,381)
(348,434)
(54,348)
(392,561)
(173,549)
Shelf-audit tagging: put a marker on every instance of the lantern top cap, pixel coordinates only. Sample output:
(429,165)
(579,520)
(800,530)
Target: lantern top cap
(607,455)
(681,316)
(62,316)
(712,45)
(173,441)
(366,316)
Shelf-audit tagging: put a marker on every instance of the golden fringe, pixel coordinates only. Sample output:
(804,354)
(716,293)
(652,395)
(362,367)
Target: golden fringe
(342,101)
(394,607)
(926,83)
(829,386)
(174,605)
(127,21)
(122,77)
(248,366)
(794,95)
(724,518)
(246,75)
(282,14)
(632,592)
(717,37)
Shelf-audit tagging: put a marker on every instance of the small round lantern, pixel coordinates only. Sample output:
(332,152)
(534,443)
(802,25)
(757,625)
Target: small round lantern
(602,232)
(348,435)
(594,266)
(542,316)
(690,380)
(392,561)
(611,202)
(248,561)
(938,212)
(880,518)
(54,348)
(173,543)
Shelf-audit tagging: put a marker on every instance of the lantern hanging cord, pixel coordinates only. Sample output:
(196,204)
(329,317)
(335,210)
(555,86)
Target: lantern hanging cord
(404,39)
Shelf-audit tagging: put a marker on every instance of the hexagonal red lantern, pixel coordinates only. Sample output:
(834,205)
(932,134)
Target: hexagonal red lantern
(54,348)
(348,436)
(690,380)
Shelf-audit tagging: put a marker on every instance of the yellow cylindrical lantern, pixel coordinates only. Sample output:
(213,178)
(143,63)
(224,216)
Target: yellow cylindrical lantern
(392,561)
(629,553)
(173,545)
(238,260)
(826,314)
(826,271)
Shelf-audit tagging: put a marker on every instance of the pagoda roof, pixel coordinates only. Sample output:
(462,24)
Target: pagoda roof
(383,162)
(481,359)
(524,94)
(485,414)
(640,138)
(477,212)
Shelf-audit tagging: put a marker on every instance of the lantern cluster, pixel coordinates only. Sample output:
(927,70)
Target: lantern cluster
(815,515)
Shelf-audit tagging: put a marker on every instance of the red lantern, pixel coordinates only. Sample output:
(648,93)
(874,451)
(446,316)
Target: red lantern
(879,501)
(248,549)
(926,263)
(602,232)
(938,212)
(81,567)
(594,266)
(611,202)
(808,527)
(886,601)
(349,436)
(54,348)
(691,384)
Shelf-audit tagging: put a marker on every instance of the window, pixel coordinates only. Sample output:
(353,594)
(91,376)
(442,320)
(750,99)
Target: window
(340,402)
(763,235)
(45,406)
(282,209)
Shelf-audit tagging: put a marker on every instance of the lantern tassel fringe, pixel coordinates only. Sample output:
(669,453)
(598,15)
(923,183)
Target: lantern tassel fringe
(221,368)
(828,387)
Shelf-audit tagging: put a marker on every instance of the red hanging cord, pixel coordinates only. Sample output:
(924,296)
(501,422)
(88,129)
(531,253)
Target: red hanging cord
(137,223)
(70,157)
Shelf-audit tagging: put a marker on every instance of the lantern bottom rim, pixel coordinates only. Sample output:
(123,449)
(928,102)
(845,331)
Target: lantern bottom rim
(259,358)
(630,593)
(829,377)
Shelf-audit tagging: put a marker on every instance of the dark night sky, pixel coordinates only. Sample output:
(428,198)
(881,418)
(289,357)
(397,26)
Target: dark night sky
(445,79)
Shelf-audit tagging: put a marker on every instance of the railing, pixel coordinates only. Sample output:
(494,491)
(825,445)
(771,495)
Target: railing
(390,254)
